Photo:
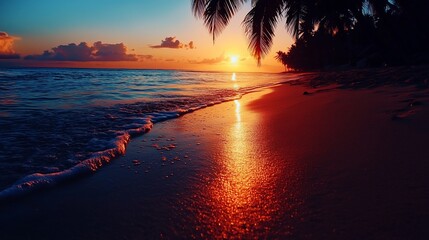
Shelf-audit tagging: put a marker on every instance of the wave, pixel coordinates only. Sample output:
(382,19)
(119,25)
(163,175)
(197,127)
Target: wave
(65,143)
(38,181)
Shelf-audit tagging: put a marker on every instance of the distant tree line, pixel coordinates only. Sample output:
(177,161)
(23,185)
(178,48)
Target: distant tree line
(330,33)
(360,34)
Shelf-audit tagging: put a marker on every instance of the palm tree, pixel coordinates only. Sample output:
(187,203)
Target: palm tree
(282,57)
(304,18)
(259,23)
(301,17)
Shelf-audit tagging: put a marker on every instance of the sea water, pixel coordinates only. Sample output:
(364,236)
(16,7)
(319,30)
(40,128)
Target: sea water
(59,123)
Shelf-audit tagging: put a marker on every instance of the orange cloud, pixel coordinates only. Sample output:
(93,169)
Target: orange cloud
(83,52)
(6,46)
(172,42)
(191,45)
(145,57)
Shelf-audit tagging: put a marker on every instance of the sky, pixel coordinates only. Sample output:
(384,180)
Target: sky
(155,34)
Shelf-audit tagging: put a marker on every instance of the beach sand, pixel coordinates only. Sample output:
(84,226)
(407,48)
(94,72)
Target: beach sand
(331,162)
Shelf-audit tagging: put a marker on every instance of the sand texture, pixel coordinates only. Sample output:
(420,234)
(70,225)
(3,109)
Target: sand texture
(332,160)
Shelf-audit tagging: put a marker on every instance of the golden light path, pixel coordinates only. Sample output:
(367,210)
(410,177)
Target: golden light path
(241,197)
(237,113)
(234,79)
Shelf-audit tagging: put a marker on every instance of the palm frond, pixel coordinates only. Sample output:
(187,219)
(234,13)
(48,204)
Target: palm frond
(216,13)
(198,7)
(295,12)
(259,25)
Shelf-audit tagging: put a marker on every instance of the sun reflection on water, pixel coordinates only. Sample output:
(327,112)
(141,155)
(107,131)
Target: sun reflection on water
(242,197)
(237,111)
(234,79)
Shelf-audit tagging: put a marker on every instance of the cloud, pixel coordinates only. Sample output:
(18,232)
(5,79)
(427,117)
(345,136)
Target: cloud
(112,52)
(6,46)
(70,52)
(83,52)
(216,60)
(145,57)
(9,56)
(172,42)
(191,45)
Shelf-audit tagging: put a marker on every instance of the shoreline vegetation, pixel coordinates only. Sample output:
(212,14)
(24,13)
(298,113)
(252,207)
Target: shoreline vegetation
(328,34)
(339,153)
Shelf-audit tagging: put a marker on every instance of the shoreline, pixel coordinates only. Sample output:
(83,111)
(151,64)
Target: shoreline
(332,163)
(39,182)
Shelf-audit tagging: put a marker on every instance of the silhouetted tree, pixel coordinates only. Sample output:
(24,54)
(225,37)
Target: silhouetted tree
(330,32)
(259,23)
(282,57)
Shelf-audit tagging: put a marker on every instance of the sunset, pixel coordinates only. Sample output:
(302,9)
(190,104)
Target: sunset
(214,119)
(144,35)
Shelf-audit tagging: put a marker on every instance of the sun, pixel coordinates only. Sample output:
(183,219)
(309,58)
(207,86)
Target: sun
(234,59)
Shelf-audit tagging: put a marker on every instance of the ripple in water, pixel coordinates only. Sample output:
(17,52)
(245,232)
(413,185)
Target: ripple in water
(54,119)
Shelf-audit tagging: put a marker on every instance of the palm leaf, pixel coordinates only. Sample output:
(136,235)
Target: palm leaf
(295,12)
(198,7)
(216,13)
(259,25)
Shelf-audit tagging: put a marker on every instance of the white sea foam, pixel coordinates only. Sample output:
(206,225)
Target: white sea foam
(69,123)
(39,181)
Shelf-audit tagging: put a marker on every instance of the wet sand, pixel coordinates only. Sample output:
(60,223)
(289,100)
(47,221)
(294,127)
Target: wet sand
(328,164)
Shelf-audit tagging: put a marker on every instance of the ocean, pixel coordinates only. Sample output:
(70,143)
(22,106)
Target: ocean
(57,124)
